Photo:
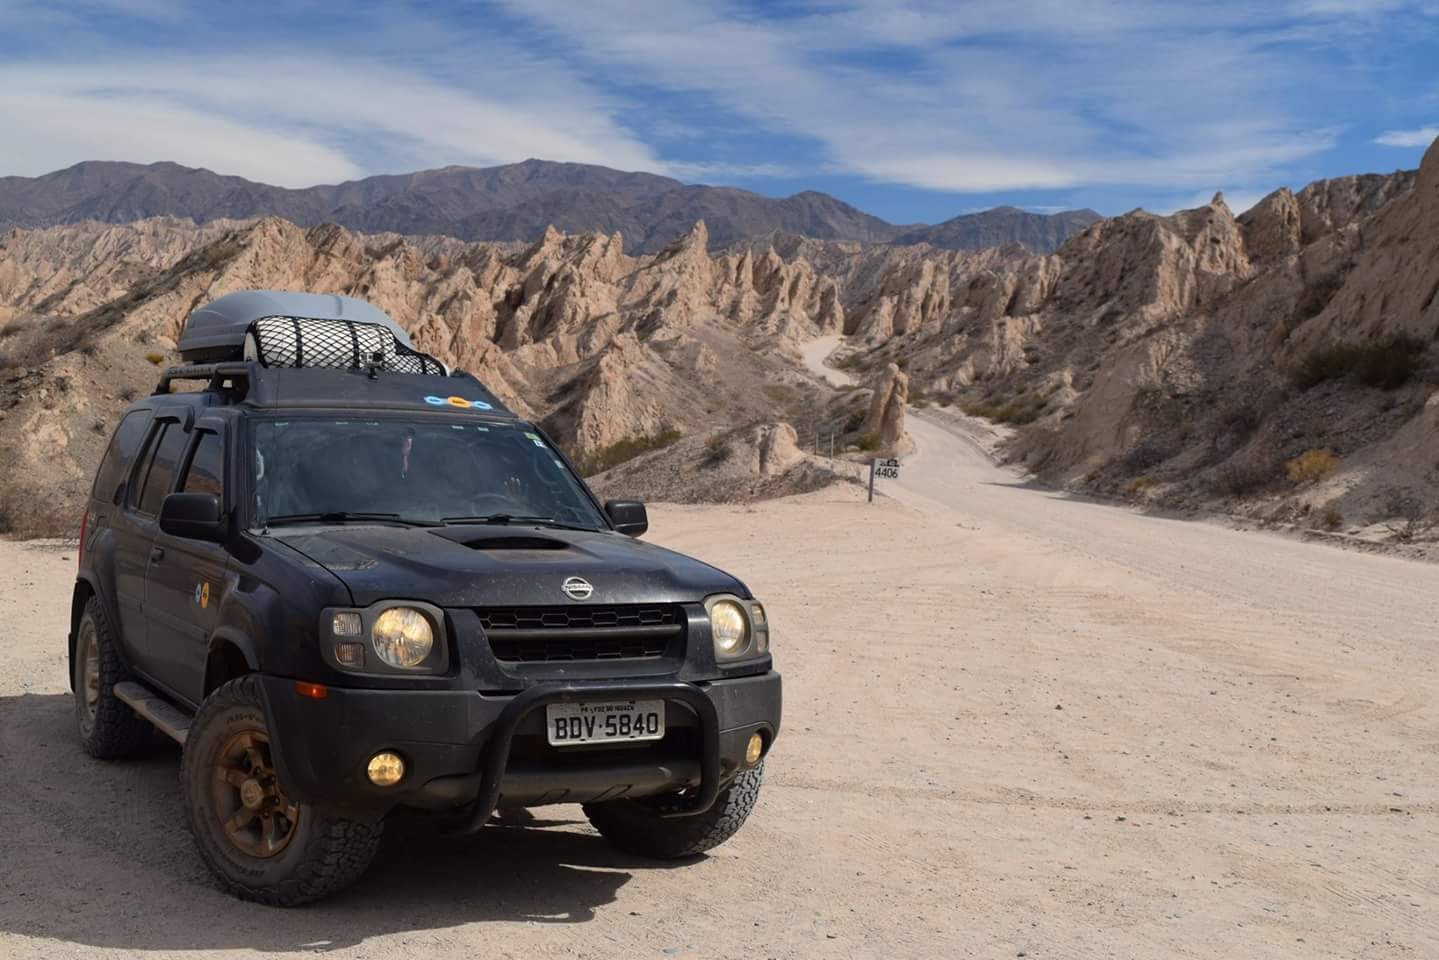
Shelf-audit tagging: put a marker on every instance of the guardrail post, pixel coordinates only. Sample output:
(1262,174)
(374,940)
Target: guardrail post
(872,463)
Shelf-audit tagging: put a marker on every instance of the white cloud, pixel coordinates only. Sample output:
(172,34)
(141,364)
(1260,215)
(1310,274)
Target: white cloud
(48,130)
(293,119)
(1040,93)
(1408,138)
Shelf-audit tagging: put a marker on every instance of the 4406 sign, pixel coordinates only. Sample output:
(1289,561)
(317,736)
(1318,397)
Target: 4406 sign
(883,469)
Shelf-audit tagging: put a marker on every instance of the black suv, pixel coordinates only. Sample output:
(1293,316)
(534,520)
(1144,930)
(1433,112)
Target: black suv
(348,580)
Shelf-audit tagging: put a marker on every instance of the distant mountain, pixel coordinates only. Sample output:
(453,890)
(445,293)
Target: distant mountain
(512,202)
(1002,225)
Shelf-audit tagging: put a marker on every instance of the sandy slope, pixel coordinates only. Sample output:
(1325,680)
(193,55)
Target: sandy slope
(1014,723)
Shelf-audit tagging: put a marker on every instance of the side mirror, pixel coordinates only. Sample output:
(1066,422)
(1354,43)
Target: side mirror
(194,516)
(628,516)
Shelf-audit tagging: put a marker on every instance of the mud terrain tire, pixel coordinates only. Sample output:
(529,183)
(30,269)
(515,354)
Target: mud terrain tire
(109,729)
(636,826)
(259,845)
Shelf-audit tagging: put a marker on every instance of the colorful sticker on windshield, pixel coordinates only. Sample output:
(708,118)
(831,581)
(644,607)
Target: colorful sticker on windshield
(458,402)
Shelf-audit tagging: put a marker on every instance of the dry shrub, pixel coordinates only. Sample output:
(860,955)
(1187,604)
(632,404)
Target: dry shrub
(1386,364)
(155,358)
(1332,518)
(1311,466)
(1240,477)
(1019,411)
(627,449)
(1142,483)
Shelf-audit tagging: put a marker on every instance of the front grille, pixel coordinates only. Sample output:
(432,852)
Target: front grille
(598,632)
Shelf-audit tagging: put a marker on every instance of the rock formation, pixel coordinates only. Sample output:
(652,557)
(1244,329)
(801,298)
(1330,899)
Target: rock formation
(885,419)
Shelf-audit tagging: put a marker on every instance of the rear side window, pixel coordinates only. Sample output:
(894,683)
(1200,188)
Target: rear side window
(120,454)
(207,466)
(160,477)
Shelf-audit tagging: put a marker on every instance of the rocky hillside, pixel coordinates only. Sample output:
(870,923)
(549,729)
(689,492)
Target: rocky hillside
(515,202)
(1282,363)
(615,354)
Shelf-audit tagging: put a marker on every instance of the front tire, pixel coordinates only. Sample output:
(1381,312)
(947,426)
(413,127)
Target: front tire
(259,844)
(109,729)
(636,826)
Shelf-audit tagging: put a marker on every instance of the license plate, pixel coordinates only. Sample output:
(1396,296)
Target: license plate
(622,721)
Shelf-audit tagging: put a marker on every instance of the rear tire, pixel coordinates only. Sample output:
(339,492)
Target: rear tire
(109,729)
(260,845)
(637,826)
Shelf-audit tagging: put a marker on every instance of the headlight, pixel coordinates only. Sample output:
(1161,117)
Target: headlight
(402,637)
(730,628)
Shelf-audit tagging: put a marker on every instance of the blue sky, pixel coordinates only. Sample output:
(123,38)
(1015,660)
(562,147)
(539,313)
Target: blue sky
(914,111)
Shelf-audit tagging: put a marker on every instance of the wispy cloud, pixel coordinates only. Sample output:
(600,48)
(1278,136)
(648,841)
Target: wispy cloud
(1020,101)
(1421,137)
(1055,96)
(287,118)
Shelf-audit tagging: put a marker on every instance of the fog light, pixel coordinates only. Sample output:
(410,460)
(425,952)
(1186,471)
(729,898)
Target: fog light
(386,769)
(753,750)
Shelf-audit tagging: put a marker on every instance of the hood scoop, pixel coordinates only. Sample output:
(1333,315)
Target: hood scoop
(481,540)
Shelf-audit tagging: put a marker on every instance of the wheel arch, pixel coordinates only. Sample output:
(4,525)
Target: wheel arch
(230,655)
(79,597)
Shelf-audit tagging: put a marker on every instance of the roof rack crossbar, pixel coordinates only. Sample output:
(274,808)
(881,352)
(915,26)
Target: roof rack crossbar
(216,373)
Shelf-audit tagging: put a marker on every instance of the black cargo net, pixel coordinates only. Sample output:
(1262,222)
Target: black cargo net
(300,342)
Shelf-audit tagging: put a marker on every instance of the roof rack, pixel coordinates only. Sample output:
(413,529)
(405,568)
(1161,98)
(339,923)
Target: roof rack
(254,384)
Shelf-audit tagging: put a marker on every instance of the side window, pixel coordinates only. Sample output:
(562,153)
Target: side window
(160,477)
(120,454)
(206,473)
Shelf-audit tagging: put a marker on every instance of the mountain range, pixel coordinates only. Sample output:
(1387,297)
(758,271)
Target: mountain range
(514,202)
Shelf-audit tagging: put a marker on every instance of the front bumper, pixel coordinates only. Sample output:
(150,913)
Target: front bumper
(471,752)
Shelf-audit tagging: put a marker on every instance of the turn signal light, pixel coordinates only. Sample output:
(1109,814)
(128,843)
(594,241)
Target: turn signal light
(315,691)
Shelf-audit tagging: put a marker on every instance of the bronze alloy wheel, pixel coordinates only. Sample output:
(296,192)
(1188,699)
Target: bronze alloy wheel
(88,686)
(254,814)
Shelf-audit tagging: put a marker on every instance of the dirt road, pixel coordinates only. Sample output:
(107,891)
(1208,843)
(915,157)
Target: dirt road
(1016,724)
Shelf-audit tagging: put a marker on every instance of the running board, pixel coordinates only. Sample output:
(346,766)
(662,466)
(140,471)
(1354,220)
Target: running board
(167,718)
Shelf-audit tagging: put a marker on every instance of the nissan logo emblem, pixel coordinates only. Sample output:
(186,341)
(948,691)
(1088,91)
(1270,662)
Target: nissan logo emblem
(577,588)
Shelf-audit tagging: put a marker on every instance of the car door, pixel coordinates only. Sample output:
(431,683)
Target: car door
(153,655)
(133,533)
(188,577)
(107,523)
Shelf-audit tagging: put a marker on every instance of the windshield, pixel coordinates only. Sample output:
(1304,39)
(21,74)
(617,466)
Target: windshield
(420,471)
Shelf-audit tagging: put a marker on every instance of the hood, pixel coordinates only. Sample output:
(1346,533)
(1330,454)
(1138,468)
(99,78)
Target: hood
(474,566)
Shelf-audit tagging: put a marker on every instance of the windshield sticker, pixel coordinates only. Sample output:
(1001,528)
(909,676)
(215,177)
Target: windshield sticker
(458,402)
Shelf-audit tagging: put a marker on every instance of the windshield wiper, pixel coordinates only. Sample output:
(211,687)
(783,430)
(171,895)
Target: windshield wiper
(509,518)
(348,516)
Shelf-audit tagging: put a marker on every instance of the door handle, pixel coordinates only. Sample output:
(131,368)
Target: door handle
(157,554)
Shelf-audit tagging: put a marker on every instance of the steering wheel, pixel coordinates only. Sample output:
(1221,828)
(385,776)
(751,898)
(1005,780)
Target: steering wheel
(487,503)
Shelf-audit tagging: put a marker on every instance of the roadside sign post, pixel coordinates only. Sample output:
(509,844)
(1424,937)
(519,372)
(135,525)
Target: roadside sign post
(887,469)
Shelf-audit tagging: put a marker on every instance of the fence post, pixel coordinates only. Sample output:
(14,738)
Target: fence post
(872,462)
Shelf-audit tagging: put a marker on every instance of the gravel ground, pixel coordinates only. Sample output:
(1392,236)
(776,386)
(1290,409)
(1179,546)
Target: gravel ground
(1016,725)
